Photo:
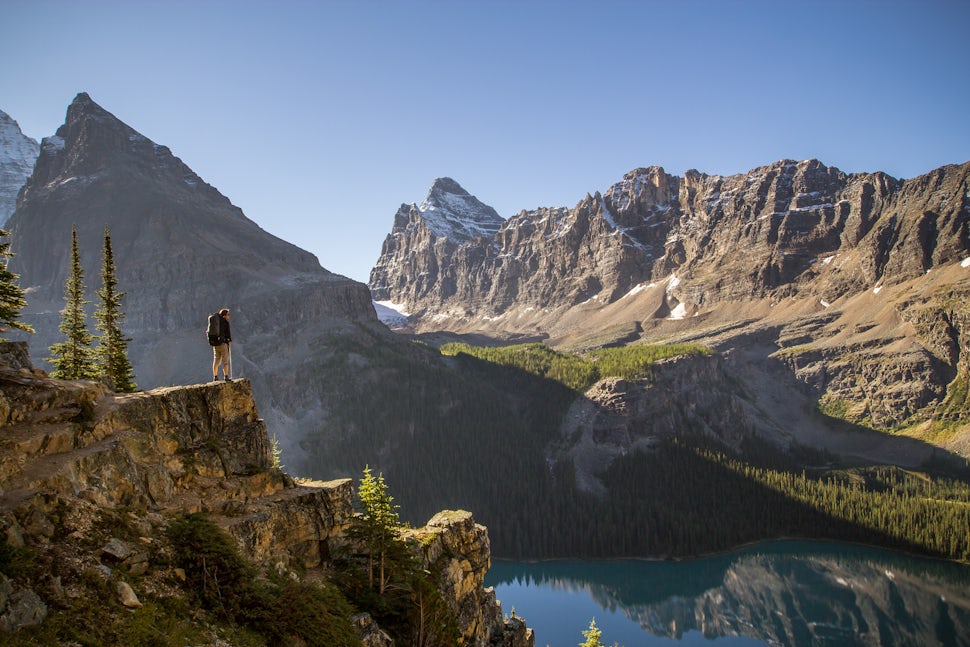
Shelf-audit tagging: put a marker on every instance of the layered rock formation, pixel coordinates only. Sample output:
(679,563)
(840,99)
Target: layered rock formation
(711,239)
(74,456)
(853,285)
(17,155)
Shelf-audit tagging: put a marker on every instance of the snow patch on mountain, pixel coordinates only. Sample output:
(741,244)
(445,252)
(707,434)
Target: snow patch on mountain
(393,315)
(17,156)
(451,212)
(640,287)
(678,313)
(672,282)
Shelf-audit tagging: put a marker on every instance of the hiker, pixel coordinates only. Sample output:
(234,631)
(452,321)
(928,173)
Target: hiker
(220,339)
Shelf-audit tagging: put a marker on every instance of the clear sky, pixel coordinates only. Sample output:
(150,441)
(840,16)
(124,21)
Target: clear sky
(319,119)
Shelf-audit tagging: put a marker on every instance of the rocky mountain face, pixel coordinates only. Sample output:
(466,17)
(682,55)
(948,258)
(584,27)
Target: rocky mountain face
(711,239)
(847,289)
(182,250)
(447,220)
(699,393)
(17,155)
(90,480)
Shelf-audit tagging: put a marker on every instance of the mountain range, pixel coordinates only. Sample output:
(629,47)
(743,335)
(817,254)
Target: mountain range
(834,305)
(843,290)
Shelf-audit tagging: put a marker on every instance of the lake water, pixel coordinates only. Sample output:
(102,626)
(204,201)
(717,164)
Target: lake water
(779,593)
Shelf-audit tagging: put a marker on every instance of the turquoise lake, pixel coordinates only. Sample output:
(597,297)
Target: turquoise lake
(778,593)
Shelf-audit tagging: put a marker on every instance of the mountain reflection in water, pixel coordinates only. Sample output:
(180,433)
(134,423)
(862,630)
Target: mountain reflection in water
(780,593)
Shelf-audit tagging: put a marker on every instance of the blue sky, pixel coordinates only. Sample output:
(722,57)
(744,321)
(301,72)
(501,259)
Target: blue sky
(319,119)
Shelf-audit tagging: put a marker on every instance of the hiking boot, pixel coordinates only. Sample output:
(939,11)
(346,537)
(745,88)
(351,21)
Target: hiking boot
(227,379)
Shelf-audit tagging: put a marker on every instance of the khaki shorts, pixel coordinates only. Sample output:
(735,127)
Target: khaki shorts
(220,355)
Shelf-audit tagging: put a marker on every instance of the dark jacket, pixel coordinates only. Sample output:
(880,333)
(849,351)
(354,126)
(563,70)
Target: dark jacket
(225,336)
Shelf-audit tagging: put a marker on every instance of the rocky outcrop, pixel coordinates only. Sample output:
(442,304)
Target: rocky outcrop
(456,549)
(74,455)
(738,395)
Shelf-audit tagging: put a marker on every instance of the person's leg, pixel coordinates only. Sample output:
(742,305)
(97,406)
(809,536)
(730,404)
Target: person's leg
(221,358)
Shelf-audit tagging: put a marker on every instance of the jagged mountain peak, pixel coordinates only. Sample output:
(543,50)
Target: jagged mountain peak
(8,123)
(447,185)
(92,140)
(84,109)
(82,104)
(449,211)
(182,247)
(837,261)
(18,153)
(772,227)
(648,171)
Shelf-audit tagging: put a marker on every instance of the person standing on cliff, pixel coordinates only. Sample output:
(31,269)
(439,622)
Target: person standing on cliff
(221,352)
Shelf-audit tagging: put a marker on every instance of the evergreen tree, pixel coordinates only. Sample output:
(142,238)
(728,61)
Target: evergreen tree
(112,351)
(11,295)
(73,359)
(592,636)
(380,523)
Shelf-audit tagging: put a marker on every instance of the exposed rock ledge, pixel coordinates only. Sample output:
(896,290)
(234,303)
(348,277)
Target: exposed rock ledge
(72,451)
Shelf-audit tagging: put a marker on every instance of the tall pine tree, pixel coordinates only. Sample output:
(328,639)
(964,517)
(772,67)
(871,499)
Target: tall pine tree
(379,524)
(73,358)
(11,295)
(112,351)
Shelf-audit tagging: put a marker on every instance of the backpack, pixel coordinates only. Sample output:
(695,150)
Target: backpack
(214,330)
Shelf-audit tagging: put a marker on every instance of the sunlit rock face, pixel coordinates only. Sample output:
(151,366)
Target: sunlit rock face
(844,289)
(74,453)
(772,232)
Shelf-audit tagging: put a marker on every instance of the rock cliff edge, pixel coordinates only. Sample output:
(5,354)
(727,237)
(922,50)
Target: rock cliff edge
(90,479)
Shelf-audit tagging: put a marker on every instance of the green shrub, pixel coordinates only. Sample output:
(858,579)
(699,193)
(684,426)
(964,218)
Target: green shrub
(282,610)
(316,615)
(215,571)
(18,561)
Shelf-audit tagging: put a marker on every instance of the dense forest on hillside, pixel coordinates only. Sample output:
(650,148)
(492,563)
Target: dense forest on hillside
(577,371)
(438,417)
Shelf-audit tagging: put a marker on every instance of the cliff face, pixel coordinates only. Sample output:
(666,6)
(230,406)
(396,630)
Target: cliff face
(849,290)
(90,480)
(765,233)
